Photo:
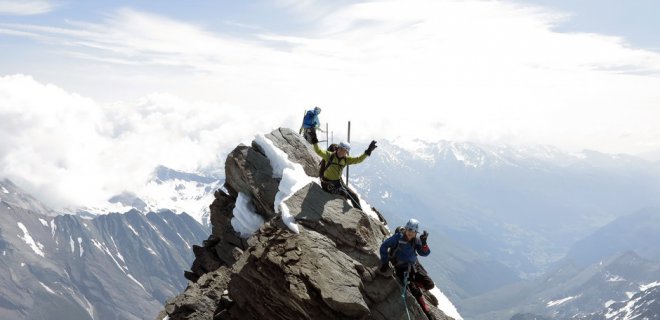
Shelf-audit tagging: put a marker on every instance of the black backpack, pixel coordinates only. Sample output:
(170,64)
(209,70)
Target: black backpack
(323,165)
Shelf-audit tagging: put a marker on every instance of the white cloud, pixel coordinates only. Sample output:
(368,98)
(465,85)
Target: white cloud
(488,71)
(70,150)
(25,7)
(463,70)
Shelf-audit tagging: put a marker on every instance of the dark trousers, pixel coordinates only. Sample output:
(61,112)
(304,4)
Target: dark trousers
(338,187)
(418,278)
(307,134)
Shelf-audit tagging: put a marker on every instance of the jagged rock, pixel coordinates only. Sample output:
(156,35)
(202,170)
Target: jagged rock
(298,150)
(249,171)
(306,272)
(326,271)
(351,229)
(224,246)
(221,210)
(201,300)
(205,260)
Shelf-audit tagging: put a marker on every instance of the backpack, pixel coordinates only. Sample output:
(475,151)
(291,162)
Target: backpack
(308,120)
(393,251)
(323,165)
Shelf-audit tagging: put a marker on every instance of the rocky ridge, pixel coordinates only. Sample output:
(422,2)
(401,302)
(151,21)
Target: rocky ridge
(326,271)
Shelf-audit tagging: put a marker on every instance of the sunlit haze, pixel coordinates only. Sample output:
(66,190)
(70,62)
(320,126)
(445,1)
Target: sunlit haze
(94,95)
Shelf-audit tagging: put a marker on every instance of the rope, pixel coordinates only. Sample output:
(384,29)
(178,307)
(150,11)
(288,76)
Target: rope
(348,194)
(404,291)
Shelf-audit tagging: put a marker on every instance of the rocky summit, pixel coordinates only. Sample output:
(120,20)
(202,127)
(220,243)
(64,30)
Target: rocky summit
(327,270)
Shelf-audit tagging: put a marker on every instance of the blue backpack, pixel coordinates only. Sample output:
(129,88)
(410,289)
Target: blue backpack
(308,120)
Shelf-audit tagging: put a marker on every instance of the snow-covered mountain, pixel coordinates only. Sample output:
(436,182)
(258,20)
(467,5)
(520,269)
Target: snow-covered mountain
(499,214)
(604,267)
(167,189)
(570,292)
(496,214)
(114,266)
(642,305)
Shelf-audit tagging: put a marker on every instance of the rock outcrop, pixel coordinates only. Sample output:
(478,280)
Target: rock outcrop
(326,271)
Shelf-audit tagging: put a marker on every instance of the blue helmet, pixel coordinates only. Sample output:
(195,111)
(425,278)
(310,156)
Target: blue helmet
(317,110)
(412,224)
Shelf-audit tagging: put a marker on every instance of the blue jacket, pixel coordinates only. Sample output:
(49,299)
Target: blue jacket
(311,119)
(407,252)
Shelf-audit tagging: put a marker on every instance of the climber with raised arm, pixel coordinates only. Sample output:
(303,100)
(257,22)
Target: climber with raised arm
(334,166)
(401,250)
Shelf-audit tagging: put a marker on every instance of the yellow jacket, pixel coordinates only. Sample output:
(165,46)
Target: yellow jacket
(335,169)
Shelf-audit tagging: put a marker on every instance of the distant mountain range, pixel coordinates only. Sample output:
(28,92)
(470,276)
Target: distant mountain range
(514,231)
(599,271)
(168,189)
(570,292)
(114,266)
(499,215)
(639,231)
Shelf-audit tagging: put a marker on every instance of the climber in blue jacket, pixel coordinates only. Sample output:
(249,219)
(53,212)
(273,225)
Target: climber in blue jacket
(402,249)
(311,123)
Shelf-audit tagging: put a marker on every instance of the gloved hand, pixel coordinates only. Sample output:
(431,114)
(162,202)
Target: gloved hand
(312,137)
(424,237)
(371,147)
(384,267)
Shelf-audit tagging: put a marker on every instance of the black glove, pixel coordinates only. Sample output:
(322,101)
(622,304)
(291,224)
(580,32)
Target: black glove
(312,136)
(384,267)
(372,146)
(423,237)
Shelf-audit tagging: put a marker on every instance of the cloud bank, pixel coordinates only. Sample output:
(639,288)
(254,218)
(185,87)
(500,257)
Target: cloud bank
(71,150)
(464,70)
(486,71)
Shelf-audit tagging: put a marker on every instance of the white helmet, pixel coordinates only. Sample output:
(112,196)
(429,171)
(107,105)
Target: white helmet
(345,145)
(412,224)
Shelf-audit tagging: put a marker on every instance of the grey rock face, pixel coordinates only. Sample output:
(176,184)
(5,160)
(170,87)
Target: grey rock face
(13,196)
(249,171)
(326,271)
(298,150)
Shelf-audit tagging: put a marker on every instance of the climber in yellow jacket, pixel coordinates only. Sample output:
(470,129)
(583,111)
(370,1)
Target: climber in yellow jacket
(334,166)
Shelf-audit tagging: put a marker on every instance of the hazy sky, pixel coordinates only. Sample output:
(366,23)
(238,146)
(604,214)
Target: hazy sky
(106,90)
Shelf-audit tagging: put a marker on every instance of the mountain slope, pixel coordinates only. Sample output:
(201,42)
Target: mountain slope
(569,292)
(602,268)
(553,195)
(116,266)
(13,196)
(642,305)
(515,211)
(639,231)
